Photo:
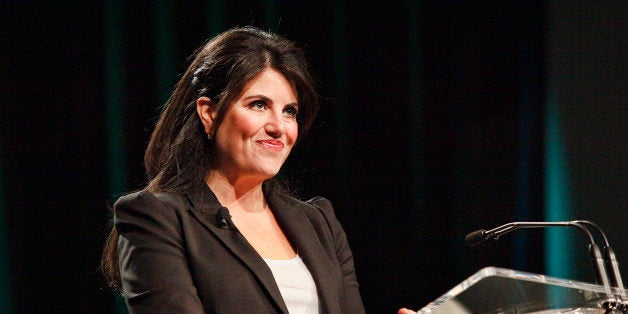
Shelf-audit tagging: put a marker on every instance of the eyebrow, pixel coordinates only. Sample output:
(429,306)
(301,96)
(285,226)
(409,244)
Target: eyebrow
(266,99)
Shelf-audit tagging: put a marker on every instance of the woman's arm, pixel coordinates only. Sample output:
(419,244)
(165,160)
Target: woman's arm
(352,299)
(153,267)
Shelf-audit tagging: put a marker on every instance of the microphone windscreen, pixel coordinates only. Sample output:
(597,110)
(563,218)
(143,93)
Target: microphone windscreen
(476,238)
(222,218)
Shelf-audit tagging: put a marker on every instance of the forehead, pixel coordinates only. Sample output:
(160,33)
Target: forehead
(272,84)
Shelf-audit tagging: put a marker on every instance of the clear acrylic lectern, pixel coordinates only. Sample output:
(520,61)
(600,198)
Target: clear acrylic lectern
(499,290)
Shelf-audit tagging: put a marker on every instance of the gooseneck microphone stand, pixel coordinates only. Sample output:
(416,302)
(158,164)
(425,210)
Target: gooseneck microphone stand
(603,263)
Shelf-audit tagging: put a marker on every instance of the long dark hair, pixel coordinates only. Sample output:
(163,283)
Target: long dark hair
(179,155)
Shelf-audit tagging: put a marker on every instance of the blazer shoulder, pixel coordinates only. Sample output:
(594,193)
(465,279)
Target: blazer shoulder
(148,199)
(321,204)
(322,207)
(129,197)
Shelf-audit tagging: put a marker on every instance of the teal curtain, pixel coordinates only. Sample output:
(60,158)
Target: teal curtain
(558,207)
(115,117)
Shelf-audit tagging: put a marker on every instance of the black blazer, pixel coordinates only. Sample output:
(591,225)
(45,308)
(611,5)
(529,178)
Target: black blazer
(175,258)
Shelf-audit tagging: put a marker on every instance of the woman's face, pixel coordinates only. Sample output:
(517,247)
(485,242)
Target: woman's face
(259,129)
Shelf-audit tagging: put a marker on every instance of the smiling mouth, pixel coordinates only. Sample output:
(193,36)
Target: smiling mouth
(273,145)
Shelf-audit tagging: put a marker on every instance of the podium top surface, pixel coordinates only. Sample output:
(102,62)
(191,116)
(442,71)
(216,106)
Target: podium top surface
(500,290)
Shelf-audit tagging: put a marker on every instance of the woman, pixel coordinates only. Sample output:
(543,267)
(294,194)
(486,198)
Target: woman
(213,231)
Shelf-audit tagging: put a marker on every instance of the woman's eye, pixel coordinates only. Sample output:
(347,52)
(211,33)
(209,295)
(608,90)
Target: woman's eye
(257,105)
(291,111)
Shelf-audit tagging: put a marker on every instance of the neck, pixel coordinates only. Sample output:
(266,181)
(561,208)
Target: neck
(242,193)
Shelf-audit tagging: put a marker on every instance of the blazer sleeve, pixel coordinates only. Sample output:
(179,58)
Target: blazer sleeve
(352,301)
(153,267)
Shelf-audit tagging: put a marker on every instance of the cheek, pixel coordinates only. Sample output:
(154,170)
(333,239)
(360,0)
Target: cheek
(292,133)
(247,128)
(244,126)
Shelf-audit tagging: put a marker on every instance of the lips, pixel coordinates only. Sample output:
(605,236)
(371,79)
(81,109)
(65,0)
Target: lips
(273,145)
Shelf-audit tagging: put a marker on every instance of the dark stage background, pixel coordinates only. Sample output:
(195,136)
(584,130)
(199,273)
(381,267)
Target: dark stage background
(437,118)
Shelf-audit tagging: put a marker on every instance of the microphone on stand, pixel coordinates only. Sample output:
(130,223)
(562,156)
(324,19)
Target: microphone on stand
(223,219)
(609,255)
(599,261)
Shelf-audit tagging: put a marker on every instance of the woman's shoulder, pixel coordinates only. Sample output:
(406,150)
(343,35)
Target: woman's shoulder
(315,203)
(321,212)
(145,198)
(317,206)
(320,203)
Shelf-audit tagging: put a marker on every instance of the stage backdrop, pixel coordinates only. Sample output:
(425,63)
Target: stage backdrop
(437,119)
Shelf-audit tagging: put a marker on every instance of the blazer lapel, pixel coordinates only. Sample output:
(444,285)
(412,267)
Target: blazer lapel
(204,206)
(298,227)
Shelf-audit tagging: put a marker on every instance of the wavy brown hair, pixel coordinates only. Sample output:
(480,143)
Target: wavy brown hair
(179,155)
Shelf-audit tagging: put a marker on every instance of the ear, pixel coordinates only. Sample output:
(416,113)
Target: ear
(207,113)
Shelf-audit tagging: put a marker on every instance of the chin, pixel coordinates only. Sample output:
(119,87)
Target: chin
(263,173)
(269,173)
(269,169)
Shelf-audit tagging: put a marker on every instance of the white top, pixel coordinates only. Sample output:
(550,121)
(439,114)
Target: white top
(296,284)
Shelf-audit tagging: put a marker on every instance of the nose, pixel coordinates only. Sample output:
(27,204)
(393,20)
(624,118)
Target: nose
(275,126)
